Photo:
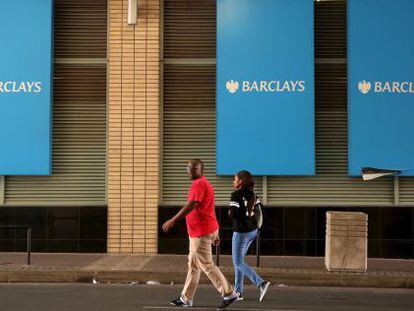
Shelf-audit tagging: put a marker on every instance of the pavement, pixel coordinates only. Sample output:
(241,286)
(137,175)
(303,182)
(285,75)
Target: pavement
(124,297)
(172,269)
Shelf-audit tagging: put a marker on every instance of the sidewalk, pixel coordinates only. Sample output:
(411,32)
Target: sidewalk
(104,268)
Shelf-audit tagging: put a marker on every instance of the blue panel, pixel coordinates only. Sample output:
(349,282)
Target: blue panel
(25,87)
(381,85)
(265,87)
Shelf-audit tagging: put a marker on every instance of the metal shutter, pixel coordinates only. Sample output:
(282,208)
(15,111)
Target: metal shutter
(189,29)
(79,113)
(189,113)
(189,131)
(331,185)
(406,191)
(80,28)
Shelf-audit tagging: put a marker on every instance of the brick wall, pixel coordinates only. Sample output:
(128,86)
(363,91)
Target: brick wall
(133,128)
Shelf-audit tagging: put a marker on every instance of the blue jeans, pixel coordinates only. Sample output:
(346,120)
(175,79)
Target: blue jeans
(240,245)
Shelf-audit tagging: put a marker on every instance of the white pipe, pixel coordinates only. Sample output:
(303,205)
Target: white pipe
(132,12)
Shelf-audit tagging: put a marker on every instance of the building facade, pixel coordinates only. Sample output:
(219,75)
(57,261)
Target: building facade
(132,103)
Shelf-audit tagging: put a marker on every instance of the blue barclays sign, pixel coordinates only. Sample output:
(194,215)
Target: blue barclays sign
(380,85)
(20,87)
(265,87)
(25,87)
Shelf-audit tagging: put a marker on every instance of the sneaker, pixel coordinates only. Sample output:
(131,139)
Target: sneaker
(181,302)
(239,296)
(227,301)
(263,289)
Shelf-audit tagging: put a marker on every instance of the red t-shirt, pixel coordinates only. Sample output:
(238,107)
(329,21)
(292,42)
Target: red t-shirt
(202,219)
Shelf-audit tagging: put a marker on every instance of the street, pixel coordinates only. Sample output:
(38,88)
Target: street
(89,297)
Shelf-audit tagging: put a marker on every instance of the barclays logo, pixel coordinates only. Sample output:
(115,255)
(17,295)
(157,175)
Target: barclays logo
(273,86)
(394,87)
(364,87)
(13,87)
(232,86)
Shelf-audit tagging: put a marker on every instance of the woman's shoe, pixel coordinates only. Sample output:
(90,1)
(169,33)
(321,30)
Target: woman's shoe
(239,296)
(263,289)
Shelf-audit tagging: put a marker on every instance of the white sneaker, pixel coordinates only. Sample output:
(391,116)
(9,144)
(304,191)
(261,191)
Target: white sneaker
(263,289)
(239,296)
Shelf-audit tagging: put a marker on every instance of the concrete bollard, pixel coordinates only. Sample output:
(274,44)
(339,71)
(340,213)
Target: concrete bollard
(346,241)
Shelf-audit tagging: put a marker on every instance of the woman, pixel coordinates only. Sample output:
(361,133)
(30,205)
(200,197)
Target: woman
(242,204)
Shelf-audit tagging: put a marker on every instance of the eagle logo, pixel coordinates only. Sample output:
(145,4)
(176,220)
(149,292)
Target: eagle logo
(232,86)
(364,87)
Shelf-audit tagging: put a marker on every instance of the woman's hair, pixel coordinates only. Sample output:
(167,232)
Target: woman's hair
(247,184)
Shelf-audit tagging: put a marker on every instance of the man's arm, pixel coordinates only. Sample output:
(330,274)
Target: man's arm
(184,211)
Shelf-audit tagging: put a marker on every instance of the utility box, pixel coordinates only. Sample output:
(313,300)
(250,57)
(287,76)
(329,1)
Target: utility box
(346,241)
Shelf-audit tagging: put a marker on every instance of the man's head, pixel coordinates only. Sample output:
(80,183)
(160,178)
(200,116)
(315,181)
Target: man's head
(195,169)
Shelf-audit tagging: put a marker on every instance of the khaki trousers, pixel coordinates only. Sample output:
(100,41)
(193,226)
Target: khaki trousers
(200,259)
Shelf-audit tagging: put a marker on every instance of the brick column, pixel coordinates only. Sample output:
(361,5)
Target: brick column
(133,128)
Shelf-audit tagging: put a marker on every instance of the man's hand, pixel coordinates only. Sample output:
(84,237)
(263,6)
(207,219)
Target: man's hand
(168,225)
(216,238)
(186,209)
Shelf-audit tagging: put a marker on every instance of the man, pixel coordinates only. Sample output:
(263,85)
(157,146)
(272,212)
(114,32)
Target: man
(202,228)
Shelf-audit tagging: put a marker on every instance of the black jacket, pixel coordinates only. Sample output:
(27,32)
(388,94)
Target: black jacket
(242,222)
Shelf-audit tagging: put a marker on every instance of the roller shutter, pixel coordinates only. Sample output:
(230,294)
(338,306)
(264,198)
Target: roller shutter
(189,130)
(79,113)
(189,29)
(331,185)
(189,113)
(406,191)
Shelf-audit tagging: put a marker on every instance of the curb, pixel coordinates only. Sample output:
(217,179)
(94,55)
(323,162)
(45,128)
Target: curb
(335,279)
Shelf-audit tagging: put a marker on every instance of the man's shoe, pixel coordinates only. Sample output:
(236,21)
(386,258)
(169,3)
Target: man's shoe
(181,302)
(263,289)
(227,301)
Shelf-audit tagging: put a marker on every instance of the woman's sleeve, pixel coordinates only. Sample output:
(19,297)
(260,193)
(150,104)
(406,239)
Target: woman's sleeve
(234,205)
